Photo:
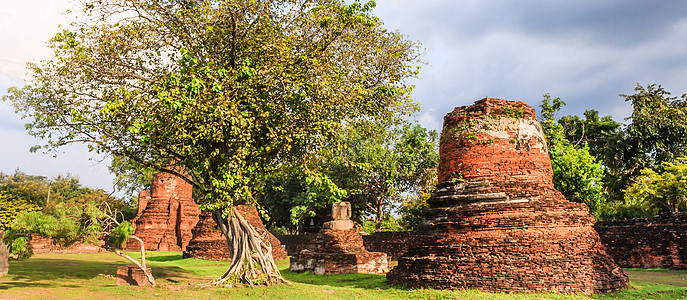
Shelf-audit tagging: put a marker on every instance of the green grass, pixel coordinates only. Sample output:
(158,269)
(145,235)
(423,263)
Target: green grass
(91,276)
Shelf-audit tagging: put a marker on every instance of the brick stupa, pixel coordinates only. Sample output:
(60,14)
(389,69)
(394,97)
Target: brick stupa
(166,215)
(495,222)
(209,243)
(339,249)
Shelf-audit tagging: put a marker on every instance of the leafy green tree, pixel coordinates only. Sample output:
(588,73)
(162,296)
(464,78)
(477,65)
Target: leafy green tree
(657,133)
(69,224)
(379,164)
(28,188)
(597,132)
(576,174)
(46,194)
(10,208)
(661,192)
(130,176)
(412,209)
(293,198)
(220,92)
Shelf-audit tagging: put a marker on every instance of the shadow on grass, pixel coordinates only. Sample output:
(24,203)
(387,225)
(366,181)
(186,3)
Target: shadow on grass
(36,270)
(364,281)
(23,284)
(165,257)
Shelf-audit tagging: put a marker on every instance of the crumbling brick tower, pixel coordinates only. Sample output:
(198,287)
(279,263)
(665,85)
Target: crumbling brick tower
(495,222)
(166,215)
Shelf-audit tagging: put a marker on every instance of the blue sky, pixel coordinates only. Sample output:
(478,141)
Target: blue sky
(586,52)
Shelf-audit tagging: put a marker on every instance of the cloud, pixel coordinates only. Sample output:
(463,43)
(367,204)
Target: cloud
(586,52)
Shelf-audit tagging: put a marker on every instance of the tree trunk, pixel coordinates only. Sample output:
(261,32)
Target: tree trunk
(4,257)
(379,216)
(142,264)
(251,253)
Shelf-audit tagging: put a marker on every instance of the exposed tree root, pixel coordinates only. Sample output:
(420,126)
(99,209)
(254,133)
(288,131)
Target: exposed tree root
(251,253)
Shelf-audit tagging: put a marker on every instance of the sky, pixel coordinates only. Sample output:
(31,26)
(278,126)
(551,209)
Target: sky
(585,52)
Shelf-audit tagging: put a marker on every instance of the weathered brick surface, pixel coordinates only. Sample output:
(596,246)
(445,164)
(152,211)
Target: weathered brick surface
(495,222)
(166,215)
(131,275)
(340,263)
(394,243)
(294,244)
(658,242)
(209,243)
(337,252)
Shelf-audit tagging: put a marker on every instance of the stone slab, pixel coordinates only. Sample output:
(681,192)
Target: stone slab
(131,275)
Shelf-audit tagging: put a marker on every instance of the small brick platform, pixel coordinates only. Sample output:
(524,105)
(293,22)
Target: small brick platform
(339,252)
(495,222)
(131,275)
(209,243)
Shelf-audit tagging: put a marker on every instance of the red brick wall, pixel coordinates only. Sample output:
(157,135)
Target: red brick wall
(659,242)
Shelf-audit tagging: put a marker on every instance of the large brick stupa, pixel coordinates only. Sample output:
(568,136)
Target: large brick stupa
(495,222)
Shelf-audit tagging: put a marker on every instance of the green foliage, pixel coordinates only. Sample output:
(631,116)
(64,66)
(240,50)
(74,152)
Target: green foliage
(120,234)
(378,164)
(597,132)
(65,226)
(27,188)
(10,208)
(293,198)
(389,223)
(130,176)
(576,174)
(225,90)
(662,192)
(64,190)
(656,134)
(412,208)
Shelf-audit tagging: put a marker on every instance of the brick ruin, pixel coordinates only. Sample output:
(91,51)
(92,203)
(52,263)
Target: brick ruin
(495,221)
(658,242)
(338,249)
(209,243)
(131,275)
(166,215)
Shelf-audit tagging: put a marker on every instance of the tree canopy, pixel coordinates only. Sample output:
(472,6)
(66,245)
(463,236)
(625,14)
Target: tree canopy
(220,92)
(226,90)
(576,174)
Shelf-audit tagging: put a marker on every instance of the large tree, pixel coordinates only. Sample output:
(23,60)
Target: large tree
(656,134)
(576,174)
(220,92)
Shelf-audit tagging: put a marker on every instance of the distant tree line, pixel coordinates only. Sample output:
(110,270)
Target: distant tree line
(20,192)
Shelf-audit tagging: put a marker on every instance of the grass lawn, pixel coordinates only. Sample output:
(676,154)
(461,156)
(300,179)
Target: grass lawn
(91,276)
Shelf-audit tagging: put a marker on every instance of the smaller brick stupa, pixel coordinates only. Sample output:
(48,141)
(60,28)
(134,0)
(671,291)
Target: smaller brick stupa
(209,243)
(166,215)
(496,222)
(339,249)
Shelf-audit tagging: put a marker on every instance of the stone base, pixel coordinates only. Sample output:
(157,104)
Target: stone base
(339,225)
(340,263)
(131,275)
(209,250)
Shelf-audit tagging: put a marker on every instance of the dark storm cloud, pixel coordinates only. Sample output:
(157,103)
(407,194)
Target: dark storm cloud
(586,52)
